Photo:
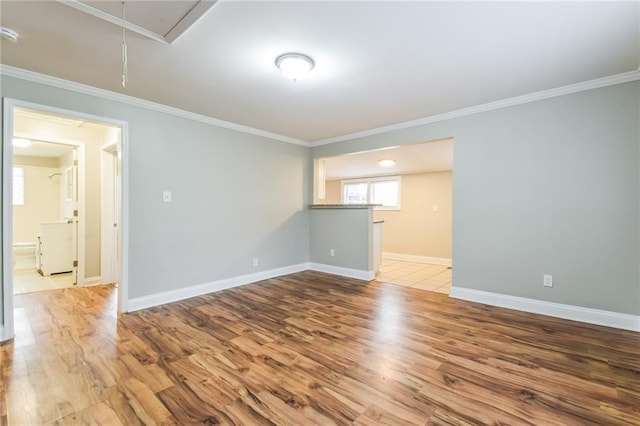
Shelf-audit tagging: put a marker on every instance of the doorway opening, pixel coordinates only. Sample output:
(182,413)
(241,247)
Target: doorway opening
(64,202)
(45,197)
(413,190)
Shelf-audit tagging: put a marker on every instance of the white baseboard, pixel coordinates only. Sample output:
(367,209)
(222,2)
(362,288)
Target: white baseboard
(344,272)
(418,259)
(576,313)
(3,334)
(200,289)
(92,281)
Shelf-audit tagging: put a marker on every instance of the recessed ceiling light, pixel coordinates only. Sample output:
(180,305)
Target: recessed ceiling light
(295,66)
(387,163)
(9,34)
(21,142)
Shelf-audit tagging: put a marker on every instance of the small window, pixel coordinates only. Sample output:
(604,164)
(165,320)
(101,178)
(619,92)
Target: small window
(384,191)
(18,186)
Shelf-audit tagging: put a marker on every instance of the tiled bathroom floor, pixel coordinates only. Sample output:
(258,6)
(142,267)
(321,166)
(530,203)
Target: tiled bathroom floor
(29,280)
(423,276)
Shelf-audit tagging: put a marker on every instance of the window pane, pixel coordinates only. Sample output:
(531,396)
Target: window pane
(18,186)
(385,193)
(355,193)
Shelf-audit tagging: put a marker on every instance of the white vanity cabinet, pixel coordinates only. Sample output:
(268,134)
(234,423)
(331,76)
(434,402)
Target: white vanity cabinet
(54,252)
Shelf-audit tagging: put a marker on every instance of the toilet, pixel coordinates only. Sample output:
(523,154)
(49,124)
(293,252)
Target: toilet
(24,255)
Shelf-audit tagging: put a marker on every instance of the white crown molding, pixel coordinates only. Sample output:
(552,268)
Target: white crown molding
(210,287)
(10,71)
(59,83)
(558,310)
(518,100)
(417,259)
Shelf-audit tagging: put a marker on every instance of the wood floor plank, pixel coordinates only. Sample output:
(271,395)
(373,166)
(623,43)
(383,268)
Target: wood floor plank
(311,349)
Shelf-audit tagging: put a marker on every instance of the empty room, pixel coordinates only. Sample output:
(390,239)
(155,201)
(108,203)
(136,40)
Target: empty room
(319,213)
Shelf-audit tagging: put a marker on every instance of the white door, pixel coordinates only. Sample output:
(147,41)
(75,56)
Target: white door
(110,208)
(71,207)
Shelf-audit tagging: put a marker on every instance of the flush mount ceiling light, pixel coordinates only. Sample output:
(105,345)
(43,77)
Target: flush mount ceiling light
(387,163)
(21,142)
(9,34)
(295,66)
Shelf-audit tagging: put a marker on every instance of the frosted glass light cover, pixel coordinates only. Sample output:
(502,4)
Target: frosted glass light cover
(295,66)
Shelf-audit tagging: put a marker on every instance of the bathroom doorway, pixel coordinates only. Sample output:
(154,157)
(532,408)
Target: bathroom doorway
(44,198)
(69,201)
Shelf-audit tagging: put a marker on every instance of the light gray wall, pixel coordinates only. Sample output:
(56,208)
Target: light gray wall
(348,232)
(549,187)
(235,196)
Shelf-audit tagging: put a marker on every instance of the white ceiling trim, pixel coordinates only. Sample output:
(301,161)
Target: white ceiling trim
(114,20)
(59,83)
(106,94)
(518,100)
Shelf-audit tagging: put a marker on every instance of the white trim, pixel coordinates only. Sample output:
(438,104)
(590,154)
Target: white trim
(358,274)
(174,33)
(6,322)
(9,105)
(123,286)
(113,19)
(417,259)
(570,312)
(10,71)
(490,106)
(92,281)
(210,287)
(59,83)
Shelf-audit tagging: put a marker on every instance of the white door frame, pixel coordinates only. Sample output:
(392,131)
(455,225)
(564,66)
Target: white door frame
(109,218)
(7,326)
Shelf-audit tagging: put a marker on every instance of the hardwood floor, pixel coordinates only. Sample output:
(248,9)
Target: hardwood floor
(311,348)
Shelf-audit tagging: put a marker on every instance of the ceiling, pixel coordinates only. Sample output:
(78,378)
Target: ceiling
(418,158)
(43,149)
(377,63)
(51,134)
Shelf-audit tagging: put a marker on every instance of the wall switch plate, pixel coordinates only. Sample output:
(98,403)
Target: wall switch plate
(547,280)
(255,262)
(166,196)
(435,208)
(333,252)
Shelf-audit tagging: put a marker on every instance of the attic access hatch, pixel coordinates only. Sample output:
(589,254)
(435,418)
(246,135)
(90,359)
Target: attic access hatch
(162,21)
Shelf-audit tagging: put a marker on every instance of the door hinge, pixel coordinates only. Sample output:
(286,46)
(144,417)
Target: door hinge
(75,263)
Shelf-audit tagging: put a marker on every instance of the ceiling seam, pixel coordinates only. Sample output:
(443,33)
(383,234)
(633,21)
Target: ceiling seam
(75,4)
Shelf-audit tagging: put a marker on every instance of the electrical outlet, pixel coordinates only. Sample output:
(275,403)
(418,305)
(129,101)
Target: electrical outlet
(255,262)
(166,196)
(333,252)
(547,280)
